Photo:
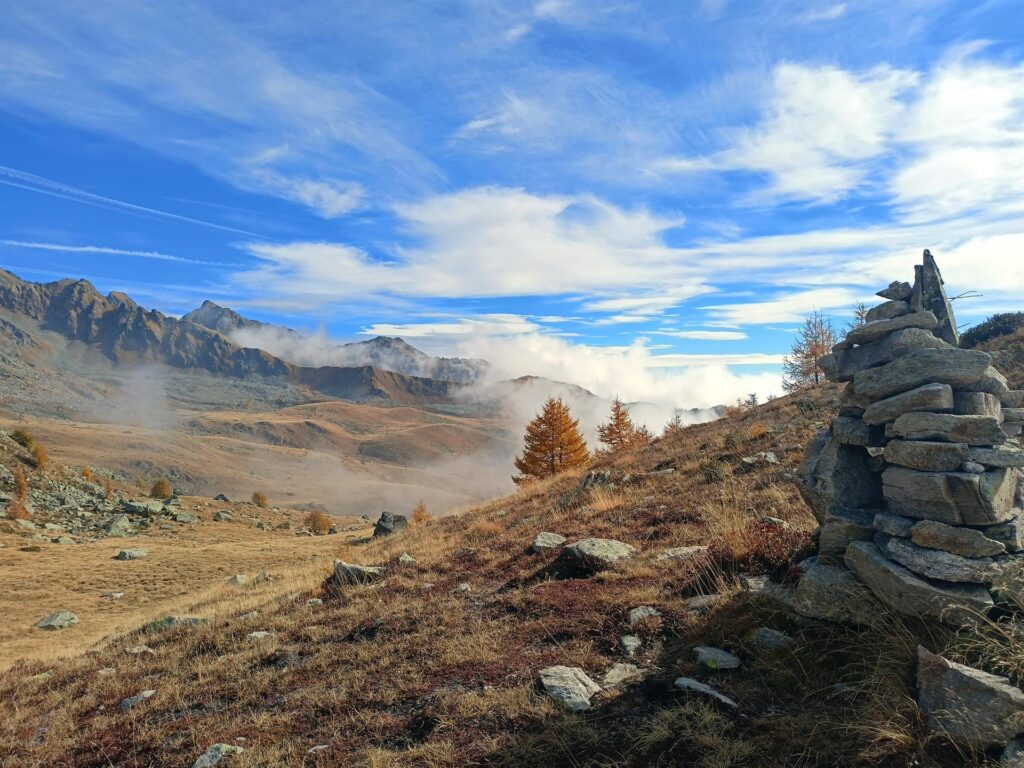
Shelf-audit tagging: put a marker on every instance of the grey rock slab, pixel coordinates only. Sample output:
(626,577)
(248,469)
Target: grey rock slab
(132,554)
(926,455)
(1009,533)
(636,615)
(767,639)
(894,525)
(973,468)
(949,428)
(569,686)
(939,564)
(957,498)
(620,673)
(834,594)
(60,620)
(968,705)
(977,404)
(217,755)
(958,540)
(1013,755)
(896,291)
(701,603)
(852,431)
(222,517)
(713,658)
(547,540)
(903,591)
(630,644)
(930,397)
(138,698)
(406,559)
(960,368)
(598,553)
(1012,398)
(350,573)
(1006,455)
(186,517)
(869,332)
(238,580)
(841,527)
(928,294)
(888,310)
(695,686)
(1013,415)
(847,363)
(683,553)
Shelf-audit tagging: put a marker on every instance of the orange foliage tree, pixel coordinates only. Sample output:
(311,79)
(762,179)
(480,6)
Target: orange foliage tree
(620,432)
(553,444)
(420,514)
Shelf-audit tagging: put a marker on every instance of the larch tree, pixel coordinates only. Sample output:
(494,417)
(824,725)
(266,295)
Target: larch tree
(620,432)
(814,340)
(553,444)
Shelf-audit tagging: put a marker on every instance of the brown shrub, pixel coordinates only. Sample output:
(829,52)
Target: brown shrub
(108,490)
(16,510)
(420,515)
(757,429)
(20,484)
(259,498)
(87,475)
(760,548)
(40,455)
(162,489)
(23,438)
(318,522)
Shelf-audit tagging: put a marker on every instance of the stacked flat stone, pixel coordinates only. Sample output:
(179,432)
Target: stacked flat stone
(916,483)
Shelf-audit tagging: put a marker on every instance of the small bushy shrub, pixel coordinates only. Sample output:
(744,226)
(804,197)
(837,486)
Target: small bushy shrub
(20,484)
(420,515)
(161,489)
(87,475)
(318,522)
(714,471)
(42,458)
(757,429)
(23,438)
(259,498)
(16,510)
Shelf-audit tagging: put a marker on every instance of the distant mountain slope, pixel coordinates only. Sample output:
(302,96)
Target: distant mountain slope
(387,353)
(128,334)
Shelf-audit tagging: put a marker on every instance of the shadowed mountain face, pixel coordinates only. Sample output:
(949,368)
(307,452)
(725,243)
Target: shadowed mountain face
(383,352)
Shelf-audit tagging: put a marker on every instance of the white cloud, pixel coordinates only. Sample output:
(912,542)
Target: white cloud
(785,308)
(703,335)
(829,12)
(493,325)
(101,250)
(328,199)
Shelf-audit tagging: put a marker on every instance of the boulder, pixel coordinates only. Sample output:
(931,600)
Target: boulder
(966,704)
(884,350)
(221,497)
(897,291)
(406,559)
(939,564)
(630,644)
(389,523)
(121,525)
(869,332)
(1005,455)
(546,540)
(894,525)
(132,554)
(60,620)
(766,639)
(238,580)
(1010,533)
(695,686)
(888,310)
(930,397)
(834,594)
(851,431)
(949,428)
(911,595)
(843,526)
(683,553)
(350,573)
(138,698)
(595,554)
(960,368)
(967,542)
(957,498)
(713,658)
(977,404)
(620,673)
(186,517)
(636,615)
(569,686)
(927,456)
(817,472)
(223,516)
(218,754)
(928,294)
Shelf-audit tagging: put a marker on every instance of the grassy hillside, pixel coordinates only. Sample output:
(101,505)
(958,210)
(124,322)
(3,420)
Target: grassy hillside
(437,665)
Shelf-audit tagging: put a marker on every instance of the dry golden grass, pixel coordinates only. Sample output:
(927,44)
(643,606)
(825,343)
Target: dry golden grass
(414,671)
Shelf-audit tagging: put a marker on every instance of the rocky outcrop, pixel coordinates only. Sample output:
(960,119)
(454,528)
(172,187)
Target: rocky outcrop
(915,484)
(389,523)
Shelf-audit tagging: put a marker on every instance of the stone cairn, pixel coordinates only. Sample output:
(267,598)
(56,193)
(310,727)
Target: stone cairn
(916,484)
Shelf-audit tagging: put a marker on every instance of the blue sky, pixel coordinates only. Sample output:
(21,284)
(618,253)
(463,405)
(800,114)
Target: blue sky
(642,197)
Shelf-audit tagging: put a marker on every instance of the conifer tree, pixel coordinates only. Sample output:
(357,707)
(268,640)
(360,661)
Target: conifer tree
(674,426)
(553,444)
(815,339)
(620,430)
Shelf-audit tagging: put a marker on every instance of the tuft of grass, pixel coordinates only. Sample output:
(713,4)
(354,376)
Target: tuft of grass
(318,522)
(756,430)
(161,489)
(40,456)
(714,471)
(23,438)
(260,500)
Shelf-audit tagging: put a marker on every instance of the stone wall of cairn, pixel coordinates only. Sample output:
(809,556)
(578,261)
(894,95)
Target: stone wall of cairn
(916,483)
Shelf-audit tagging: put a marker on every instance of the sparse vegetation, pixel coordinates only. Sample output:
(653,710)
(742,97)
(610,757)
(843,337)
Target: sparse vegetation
(259,498)
(1002,324)
(553,444)
(161,489)
(714,471)
(20,484)
(420,515)
(108,490)
(40,456)
(16,510)
(88,475)
(318,522)
(23,438)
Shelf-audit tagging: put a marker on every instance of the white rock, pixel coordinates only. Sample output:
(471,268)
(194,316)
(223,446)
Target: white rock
(216,755)
(569,686)
(695,686)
